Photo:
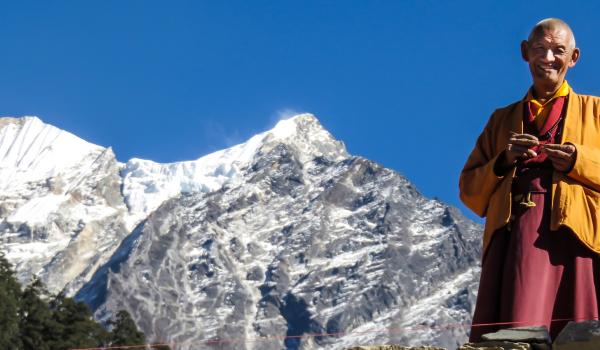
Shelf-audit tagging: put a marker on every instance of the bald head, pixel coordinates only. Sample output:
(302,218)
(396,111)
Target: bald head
(551,24)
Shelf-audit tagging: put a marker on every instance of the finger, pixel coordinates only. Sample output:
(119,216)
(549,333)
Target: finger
(558,161)
(530,153)
(554,153)
(565,147)
(524,142)
(560,165)
(525,153)
(523,136)
(517,148)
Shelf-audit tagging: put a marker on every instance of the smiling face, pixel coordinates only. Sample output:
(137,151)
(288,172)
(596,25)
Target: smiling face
(550,52)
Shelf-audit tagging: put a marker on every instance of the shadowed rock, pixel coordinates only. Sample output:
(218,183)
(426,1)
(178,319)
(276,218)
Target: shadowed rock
(579,336)
(520,334)
(496,345)
(395,347)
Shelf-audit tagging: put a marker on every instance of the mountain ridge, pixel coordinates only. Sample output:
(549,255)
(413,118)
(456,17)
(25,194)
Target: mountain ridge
(285,234)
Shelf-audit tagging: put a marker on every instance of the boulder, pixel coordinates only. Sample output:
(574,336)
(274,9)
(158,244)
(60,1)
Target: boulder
(496,345)
(395,347)
(579,336)
(520,334)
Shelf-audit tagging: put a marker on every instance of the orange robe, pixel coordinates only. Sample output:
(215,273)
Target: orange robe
(575,196)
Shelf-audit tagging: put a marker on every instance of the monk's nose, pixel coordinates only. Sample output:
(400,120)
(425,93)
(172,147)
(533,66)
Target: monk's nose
(549,56)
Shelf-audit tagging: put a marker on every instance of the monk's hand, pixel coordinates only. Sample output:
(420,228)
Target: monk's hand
(561,156)
(519,147)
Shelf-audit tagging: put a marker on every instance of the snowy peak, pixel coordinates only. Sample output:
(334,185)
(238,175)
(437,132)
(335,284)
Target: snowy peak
(61,197)
(31,150)
(147,184)
(61,206)
(307,135)
(340,243)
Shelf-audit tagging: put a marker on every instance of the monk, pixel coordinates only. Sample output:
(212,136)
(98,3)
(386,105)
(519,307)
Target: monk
(534,174)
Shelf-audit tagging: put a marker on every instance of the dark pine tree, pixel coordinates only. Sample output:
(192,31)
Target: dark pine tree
(10,295)
(28,322)
(124,331)
(74,325)
(36,324)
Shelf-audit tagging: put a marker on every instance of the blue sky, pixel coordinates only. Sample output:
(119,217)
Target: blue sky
(408,84)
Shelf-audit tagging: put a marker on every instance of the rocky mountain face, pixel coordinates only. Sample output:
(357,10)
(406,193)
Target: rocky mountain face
(61,207)
(258,246)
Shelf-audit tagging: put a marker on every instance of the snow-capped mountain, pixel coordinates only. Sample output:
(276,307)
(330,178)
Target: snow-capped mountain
(283,235)
(61,209)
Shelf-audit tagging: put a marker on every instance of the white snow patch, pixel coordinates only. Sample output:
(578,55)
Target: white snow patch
(424,305)
(33,250)
(31,151)
(147,184)
(36,210)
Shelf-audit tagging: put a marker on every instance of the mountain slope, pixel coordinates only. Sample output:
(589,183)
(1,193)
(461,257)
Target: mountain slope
(61,209)
(286,234)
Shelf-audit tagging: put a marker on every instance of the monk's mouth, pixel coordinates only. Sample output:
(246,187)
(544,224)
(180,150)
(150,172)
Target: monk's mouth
(547,69)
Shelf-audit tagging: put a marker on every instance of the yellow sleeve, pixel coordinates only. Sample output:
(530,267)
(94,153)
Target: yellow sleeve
(478,181)
(586,169)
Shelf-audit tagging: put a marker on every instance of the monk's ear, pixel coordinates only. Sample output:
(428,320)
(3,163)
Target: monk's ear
(574,57)
(524,47)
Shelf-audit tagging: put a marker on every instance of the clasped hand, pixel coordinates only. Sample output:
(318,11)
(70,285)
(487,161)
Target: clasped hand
(520,148)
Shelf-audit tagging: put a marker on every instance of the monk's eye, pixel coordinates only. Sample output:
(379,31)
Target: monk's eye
(559,51)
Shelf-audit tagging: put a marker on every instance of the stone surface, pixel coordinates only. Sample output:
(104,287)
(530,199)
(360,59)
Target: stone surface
(520,334)
(540,346)
(496,345)
(579,336)
(395,347)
